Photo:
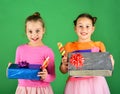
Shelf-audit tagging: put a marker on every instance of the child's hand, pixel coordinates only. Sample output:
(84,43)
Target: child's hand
(43,74)
(9,64)
(64,61)
(64,64)
(112,60)
(7,68)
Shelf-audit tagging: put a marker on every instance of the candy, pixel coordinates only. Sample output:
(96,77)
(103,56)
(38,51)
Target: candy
(61,48)
(45,63)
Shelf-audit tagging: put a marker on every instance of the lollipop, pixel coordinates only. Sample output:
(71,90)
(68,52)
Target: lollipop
(45,63)
(61,48)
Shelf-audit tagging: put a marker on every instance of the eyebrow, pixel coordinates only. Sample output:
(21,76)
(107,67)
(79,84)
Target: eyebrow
(82,24)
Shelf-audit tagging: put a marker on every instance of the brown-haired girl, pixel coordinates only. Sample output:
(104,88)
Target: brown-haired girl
(84,26)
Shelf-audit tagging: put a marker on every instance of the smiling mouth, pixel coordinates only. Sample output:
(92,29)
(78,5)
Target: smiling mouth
(83,33)
(35,39)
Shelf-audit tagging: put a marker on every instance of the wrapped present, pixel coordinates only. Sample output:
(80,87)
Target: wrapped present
(24,71)
(89,64)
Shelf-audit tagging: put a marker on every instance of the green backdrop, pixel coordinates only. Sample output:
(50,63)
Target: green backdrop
(58,16)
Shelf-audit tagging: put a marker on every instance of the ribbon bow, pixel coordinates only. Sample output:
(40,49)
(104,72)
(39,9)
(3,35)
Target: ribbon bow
(77,60)
(23,64)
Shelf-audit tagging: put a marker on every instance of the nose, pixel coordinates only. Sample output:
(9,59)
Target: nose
(84,29)
(34,34)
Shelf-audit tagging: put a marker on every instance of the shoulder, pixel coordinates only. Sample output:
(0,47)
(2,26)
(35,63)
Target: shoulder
(48,52)
(22,46)
(69,44)
(47,49)
(99,43)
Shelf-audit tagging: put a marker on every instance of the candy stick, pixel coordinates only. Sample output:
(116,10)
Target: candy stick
(45,63)
(61,48)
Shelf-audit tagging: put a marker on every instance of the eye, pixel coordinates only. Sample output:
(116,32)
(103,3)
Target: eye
(80,26)
(30,31)
(37,31)
(87,26)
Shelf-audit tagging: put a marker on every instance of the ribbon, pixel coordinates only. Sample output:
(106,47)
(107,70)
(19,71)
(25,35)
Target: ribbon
(77,60)
(23,64)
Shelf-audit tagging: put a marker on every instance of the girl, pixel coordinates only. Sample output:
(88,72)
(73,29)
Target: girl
(35,52)
(84,28)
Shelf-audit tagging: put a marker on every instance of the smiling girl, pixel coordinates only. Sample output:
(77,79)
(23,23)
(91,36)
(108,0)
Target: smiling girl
(84,28)
(35,52)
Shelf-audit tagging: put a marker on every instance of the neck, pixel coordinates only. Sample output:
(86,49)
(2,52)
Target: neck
(84,40)
(36,44)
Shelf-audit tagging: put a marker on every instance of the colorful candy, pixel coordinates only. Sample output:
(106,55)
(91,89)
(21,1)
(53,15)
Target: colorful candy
(61,48)
(45,63)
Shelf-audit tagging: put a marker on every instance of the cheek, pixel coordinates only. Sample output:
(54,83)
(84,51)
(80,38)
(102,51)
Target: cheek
(90,30)
(40,35)
(28,35)
(77,30)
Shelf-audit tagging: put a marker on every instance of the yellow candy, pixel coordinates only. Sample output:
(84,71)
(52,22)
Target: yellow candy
(59,45)
(61,48)
(45,63)
(63,53)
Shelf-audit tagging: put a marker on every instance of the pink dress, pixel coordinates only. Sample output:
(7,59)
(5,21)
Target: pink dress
(35,55)
(86,84)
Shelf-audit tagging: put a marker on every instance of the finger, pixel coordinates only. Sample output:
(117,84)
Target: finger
(9,64)
(44,70)
(112,60)
(64,61)
(42,78)
(41,73)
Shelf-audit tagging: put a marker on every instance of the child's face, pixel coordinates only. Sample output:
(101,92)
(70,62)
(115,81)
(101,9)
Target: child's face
(34,31)
(84,29)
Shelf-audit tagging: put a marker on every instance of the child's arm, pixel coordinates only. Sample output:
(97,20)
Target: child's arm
(43,74)
(64,65)
(49,72)
(103,49)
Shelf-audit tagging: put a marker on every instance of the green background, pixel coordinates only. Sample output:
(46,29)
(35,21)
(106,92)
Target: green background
(58,16)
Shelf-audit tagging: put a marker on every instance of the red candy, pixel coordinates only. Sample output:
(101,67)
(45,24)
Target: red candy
(77,60)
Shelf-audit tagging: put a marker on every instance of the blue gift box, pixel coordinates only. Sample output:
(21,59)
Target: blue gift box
(30,72)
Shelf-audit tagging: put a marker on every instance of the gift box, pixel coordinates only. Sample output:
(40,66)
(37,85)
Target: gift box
(89,64)
(15,71)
